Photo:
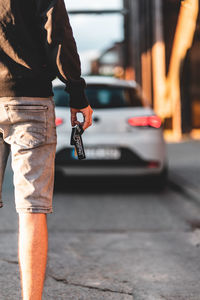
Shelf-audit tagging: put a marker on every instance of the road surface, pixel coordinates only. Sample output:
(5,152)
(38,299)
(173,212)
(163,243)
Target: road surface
(120,243)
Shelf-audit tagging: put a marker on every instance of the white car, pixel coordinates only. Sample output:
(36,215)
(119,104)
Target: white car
(126,137)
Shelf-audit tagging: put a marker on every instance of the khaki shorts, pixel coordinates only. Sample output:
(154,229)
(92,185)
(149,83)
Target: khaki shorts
(27,129)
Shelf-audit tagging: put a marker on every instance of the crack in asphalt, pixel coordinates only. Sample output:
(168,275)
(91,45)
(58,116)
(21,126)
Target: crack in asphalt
(91,231)
(88,286)
(2,231)
(10,261)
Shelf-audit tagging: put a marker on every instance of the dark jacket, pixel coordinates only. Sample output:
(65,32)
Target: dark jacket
(36,45)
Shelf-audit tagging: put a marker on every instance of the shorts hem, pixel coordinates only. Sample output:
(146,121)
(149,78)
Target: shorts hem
(35,210)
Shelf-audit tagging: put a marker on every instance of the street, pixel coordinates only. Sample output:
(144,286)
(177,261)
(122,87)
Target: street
(120,242)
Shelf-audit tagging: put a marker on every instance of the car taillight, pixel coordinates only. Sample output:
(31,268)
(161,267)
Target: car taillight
(58,121)
(153,164)
(152,121)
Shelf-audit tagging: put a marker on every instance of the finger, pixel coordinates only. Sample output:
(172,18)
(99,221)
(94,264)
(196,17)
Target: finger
(86,125)
(90,123)
(77,123)
(73,119)
(91,120)
(86,120)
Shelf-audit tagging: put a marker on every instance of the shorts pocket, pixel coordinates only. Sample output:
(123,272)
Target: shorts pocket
(26,113)
(28,125)
(28,136)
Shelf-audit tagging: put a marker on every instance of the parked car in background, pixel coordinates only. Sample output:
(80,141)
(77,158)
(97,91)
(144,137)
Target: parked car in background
(126,137)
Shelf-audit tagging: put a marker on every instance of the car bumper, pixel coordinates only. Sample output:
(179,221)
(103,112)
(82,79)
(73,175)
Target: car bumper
(103,171)
(129,164)
(141,154)
(149,146)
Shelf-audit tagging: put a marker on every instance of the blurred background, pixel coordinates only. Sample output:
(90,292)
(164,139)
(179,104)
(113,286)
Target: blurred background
(126,221)
(154,42)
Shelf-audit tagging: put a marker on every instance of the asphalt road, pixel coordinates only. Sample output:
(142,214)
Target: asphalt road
(112,241)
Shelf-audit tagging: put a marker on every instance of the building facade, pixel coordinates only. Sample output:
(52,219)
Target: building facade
(150,28)
(152,31)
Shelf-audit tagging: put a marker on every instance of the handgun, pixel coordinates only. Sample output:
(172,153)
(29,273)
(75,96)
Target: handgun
(76,140)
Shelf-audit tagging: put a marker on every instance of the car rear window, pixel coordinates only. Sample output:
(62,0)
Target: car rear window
(103,97)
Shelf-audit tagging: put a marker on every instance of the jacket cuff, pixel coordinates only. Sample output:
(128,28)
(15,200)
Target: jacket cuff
(76,90)
(78,100)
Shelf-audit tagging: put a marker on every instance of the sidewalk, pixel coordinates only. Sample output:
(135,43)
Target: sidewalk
(184,166)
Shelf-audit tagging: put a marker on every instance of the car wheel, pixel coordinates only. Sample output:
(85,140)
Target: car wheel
(59,179)
(160,181)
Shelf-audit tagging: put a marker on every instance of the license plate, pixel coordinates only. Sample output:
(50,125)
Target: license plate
(102,153)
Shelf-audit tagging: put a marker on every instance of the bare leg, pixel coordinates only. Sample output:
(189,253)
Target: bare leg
(33,246)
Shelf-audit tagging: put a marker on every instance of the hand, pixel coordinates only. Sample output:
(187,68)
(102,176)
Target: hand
(87,116)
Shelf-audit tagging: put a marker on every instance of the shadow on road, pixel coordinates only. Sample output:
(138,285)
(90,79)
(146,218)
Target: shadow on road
(107,184)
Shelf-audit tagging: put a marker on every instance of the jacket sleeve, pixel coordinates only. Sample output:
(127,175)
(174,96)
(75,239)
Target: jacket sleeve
(62,50)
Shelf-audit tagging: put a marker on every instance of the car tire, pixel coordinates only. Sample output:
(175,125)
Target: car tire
(160,181)
(59,180)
